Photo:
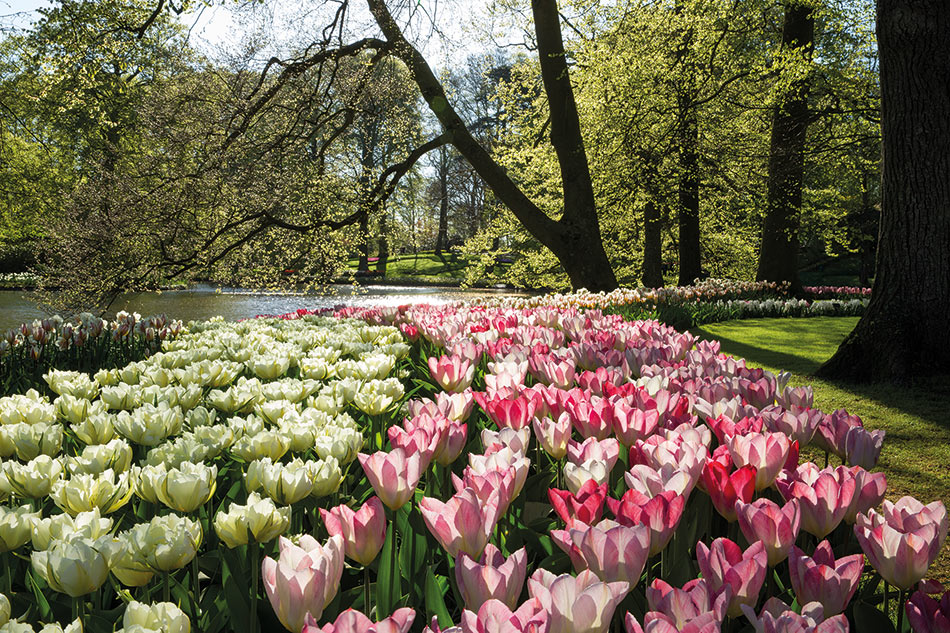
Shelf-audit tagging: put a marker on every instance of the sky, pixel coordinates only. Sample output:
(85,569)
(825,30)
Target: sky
(215,27)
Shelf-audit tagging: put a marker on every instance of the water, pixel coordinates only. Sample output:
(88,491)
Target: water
(204,301)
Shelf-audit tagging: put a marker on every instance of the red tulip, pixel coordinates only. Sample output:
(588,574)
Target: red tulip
(726,489)
(661,514)
(586,506)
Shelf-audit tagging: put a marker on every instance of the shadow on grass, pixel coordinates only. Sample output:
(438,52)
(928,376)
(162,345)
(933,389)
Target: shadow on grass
(766,357)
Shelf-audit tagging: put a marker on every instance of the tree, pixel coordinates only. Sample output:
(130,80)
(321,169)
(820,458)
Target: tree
(904,331)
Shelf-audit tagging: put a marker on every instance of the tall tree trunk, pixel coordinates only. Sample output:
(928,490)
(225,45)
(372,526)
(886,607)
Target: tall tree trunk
(383,243)
(904,331)
(363,265)
(652,276)
(575,238)
(442,235)
(690,252)
(367,163)
(778,255)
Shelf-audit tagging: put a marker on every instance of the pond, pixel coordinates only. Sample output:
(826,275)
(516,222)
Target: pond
(204,301)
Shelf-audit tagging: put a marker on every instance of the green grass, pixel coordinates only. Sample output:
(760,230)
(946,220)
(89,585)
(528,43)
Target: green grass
(916,452)
(424,268)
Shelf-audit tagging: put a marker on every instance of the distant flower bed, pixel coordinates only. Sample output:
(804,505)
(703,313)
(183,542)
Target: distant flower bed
(86,343)
(18,280)
(836,292)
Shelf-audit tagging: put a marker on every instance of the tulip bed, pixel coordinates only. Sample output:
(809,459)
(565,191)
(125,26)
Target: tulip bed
(535,469)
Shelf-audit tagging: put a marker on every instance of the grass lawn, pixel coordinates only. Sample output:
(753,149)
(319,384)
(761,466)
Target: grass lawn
(425,267)
(916,454)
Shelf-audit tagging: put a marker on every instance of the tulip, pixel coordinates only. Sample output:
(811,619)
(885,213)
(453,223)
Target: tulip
(661,514)
(454,438)
(88,525)
(286,484)
(4,610)
(495,487)
(553,435)
(869,489)
(271,443)
(576,475)
(607,451)
(495,616)
(724,564)
(725,489)
(911,514)
(798,424)
(15,526)
(581,604)
(863,447)
(503,460)
(592,418)
(775,527)
(115,454)
(927,615)
(824,496)
(149,425)
(187,487)
(491,577)
(259,520)
(363,531)
(75,567)
(766,452)
(517,441)
(656,622)
(95,429)
(515,413)
(778,617)
(833,432)
(632,423)
(650,482)
(658,452)
(160,616)
(586,506)
(304,579)
(82,493)
(352,621)
(823,579)
(453,373)
(725,429)
(31,440)
(613,551)
(455,406)
(165,543)
(394,475)
(464,523)
(33,480)
(691,603)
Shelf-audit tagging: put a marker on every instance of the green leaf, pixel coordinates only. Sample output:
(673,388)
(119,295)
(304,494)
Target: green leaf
(436,586)
(234,580)
(384,581)
(867,618)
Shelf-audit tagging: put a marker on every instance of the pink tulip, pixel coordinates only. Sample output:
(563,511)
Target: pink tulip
(656,622)
(766,452)
(593,417)
(869,489)
(651,482)
(423,440)
(595,380)
(724,428)
(901,551)
(798,424)
(491,577)
(631,423)
(692,602)
(586,506)
(462,524)
(363,531)
(927,615)
(453,442)
(551,370)
(606,450)
(802,397)
(394,475)
(724,564)
(661,514)
(581,604)
(759,393)
(778,617)
(824,499)
(553,435)
(775,527)
(562,538)
(833,430)
(911,514)
(726,489)
(494,616)
(517,441)
(863,447)
(304,579)
(455,406)
(657,452)
(612,551)
(577,475)
(502,460)
(352,621)
(823,579)
(453,373)
(493,487)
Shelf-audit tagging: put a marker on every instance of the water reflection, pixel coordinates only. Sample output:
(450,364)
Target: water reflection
(204,301)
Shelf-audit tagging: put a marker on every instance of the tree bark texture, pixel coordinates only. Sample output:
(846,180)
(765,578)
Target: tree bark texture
(652,276)
(690,249)
(443,234)
(905,332)
(778,255)
(575,238)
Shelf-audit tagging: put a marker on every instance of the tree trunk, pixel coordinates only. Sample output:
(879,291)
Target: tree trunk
(575,238)
(383,242)
(367,163)
(904,331)
(442,235)
(778,255)
(652,276)
(690,252)
(363,265)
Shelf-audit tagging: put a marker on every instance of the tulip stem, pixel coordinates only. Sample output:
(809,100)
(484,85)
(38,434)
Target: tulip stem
(366,598)
(166,589)
(7,576)
(195,587)
(77,608)
(900,610)
(255,581)
(887,606)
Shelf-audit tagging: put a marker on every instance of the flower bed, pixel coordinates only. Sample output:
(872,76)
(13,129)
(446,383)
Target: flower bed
(837,292)
(510,470)
(86,343)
